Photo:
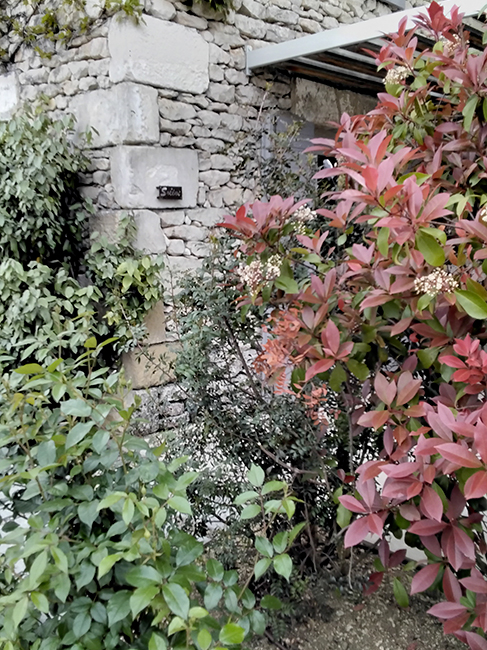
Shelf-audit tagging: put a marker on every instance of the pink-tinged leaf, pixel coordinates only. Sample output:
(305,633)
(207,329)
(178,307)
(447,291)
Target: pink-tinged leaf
(375,299)
(407,387)
(426,527)
(402,470)
(424,578)
(318,367)
(476,486)
(431,505)
(397,557)
(351,503)
(376,525)
(373,419)
(464,543)
(357,532)
(475,584)
(475,641)
(386,391)
(480,439)
(447,610)
(451,586)
(375,580)
(451,361)
(457,504)
(433,545)
(459,455)
(409,512)
(332,334)
(371,469)
(401,326)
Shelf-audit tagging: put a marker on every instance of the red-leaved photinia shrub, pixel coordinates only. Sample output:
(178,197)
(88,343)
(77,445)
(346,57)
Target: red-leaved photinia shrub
(394,317)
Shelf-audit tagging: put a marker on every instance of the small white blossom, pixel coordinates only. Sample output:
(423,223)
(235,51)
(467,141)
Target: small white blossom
(483,214)
(439,281)
(449,47)
(304,214)
(273,267)
(251,274)
(396,75)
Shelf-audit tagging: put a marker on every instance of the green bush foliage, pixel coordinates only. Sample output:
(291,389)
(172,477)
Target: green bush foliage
(92,522)
(56,286)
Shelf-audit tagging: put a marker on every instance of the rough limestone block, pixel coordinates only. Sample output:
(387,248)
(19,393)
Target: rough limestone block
(158,53)
(149,369)
(155,322)
(124,114)
(150,236)
(322,104)
(9,95)
(138,171)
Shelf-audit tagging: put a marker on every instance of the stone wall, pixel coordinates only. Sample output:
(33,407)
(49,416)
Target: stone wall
(169,103)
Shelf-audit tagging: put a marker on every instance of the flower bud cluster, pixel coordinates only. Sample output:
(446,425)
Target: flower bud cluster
(449,47)
(304,214)
(396,75)
(255,273)
(483,214)
(439,281)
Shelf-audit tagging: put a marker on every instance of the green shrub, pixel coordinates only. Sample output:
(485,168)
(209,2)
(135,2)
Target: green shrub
(92,524)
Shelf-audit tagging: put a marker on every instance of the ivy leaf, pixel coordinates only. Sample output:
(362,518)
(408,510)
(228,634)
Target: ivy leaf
(88,512)
(258,622)
(180,504)
(283,565)
(215,569)
(107,562)
(212,597)
(19,611)
(118,607)
(40,601)
(60,559)
(156,642)
(256,476)
(203,639)
(264,546)
(271,602)
(261,567)
(141,598)
(81,624)
(78,433)
(251,511)
(177,600)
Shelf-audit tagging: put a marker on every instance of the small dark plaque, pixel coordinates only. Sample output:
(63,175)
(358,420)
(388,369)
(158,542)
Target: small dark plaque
(170,192)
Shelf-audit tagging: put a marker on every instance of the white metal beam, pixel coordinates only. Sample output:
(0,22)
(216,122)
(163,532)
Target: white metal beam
(346,35)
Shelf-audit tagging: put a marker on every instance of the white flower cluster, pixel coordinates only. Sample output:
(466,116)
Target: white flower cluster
(251,274)
(255,273)
(304,214)
(396,75)
(449,47)
(273,267)
(439,281)
(321,417)
(483,214)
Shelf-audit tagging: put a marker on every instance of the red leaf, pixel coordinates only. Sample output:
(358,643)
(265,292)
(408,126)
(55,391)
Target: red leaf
(375,580)
(427,527)
(431,504)
(475,584)
(451,586)
(447,610)
(319,366)
(373,419)
(401,326)
(351,503)
(475,641)
(459,455)
(451,361)
(357,532)
(385,391)
(424,578)
(476,486)
(376,525)
(332,334)
(402,470)
(407,387)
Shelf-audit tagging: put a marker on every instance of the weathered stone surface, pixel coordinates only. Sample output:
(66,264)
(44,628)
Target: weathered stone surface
(150,236)
(124,114)
(194,22)
(138,171)
(221,93)
(214,178)
(208,217)
(171,218)
(310,101)
(158,53)
(187,233)
(146,370)
(174,111)
(155,322)
(9,95)
(162,9)
(176,247)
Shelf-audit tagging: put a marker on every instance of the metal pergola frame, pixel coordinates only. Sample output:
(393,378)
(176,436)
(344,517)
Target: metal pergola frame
(337,56)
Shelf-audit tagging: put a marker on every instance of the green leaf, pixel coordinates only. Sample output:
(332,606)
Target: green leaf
(400,593)
(128,511)
(251,511)
(203,639)
(383,240)
(264,546)
(257,619)
(270,602)
(62,587)
(469,111)
(176,625)
(180,504)
(261,567)
(231,634)
(212,597)
(273,486)
(472,303)
(77,407)
(344,516)
(296,531)
(107,563)
(37,569)
(77,433)
(141,598)
(359,370)
(30,369)
(280,541)
(245,496)
(215,569)
(256,476)
(143,576)
(337,377)
(198,612)
(283,565)
(90,343)
(81,624)
(177,600)
(88,512)
(60,559)
(19,611)
(46,453)
(424,301)
(289,285)
(427,356)
(118,606)
(40,601)
(188,552)
(111,500)
(156,642)
(431,250)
